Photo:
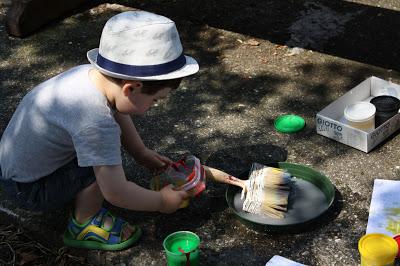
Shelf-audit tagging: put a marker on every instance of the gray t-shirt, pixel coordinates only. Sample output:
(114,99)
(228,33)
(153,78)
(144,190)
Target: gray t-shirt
(60,119)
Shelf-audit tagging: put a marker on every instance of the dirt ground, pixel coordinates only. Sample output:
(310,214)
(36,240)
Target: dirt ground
(258,60)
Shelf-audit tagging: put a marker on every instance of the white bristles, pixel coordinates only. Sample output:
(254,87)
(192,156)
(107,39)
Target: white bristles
(268,191)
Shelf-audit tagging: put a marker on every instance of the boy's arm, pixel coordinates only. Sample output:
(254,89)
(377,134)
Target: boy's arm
(134,145)
(130,138)
(125,194)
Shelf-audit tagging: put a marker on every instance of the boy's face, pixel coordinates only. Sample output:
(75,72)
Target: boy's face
(135,101)
(142,102)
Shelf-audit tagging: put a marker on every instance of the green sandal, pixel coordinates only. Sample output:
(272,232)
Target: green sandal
(93,234)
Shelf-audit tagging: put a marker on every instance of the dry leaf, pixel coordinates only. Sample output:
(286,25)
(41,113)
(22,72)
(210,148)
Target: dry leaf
(27,257)
(263,60)
(252,42)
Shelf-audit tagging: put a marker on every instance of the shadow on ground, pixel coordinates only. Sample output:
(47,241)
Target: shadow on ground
(340,28)
(225,113)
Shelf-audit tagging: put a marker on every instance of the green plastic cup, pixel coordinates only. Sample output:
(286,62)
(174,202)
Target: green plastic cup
(182,249)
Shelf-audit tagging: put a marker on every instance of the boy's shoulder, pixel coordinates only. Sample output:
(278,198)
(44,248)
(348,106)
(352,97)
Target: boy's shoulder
(74,75)
(69,88)
(76,70)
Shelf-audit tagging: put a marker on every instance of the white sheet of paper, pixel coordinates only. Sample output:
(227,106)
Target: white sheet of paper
(384,212)
(281,261)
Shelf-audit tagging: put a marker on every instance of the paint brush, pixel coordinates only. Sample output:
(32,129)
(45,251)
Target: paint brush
(266,192)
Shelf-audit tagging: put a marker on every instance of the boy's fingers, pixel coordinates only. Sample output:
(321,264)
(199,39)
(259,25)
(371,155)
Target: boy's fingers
(164,160)
(170,186)
(184,195)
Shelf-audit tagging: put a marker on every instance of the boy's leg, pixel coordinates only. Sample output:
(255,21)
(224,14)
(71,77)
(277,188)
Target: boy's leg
(61,187)
(53,191)
(88,202)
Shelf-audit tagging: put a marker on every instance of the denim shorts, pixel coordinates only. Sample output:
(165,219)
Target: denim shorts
(50,192)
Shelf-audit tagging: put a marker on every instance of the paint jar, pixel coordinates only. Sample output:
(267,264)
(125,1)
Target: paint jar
(377,250)
(386,107)
(186,174)
(360,115)
(157,184)
(397,239)
(391,90)
(182,248)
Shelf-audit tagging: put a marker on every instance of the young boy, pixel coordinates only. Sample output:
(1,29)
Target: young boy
(63,141)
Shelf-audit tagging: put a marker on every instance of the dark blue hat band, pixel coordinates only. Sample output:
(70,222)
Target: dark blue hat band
(141,71)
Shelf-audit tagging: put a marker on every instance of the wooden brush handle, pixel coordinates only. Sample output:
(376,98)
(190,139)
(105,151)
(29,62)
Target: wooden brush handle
(222,177)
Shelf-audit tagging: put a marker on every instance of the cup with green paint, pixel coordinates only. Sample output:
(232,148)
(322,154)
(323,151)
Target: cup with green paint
(182,248)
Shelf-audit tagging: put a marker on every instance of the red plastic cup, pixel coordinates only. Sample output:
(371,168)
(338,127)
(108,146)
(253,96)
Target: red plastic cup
(397,238)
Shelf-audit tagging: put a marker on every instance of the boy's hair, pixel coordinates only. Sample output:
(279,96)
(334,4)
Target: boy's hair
(151,87)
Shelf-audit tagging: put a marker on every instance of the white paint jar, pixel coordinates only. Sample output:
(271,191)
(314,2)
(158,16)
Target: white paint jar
(361,115)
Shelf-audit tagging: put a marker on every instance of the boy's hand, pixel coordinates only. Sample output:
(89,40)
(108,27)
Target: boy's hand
(171,199)
(153,160)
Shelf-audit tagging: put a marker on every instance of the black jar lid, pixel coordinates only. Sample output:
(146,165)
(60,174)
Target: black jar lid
(385,103)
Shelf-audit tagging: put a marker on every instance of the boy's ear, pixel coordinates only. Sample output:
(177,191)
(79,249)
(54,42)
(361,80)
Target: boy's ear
(137,84)
(130,86)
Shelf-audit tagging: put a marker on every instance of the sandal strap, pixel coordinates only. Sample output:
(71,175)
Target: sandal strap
(94,232)
(94,228)
(117,226)
(98,218)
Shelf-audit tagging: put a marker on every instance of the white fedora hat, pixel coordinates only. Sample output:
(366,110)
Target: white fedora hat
(138,45)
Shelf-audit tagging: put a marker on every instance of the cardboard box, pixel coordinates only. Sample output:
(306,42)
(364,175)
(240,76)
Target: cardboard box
(330,122)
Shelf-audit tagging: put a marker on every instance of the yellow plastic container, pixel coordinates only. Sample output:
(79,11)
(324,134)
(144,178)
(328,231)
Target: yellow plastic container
(377,250)
(184,204)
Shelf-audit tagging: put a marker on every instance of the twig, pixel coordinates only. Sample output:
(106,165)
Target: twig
(13,254)
(62,253)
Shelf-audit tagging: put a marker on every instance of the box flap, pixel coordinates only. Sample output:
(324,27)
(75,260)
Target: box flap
(359,93)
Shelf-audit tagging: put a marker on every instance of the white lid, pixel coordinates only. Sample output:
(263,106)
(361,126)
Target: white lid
(391,90)
(359,111)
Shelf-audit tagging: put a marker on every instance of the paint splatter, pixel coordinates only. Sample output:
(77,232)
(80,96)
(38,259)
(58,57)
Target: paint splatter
(393,220)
